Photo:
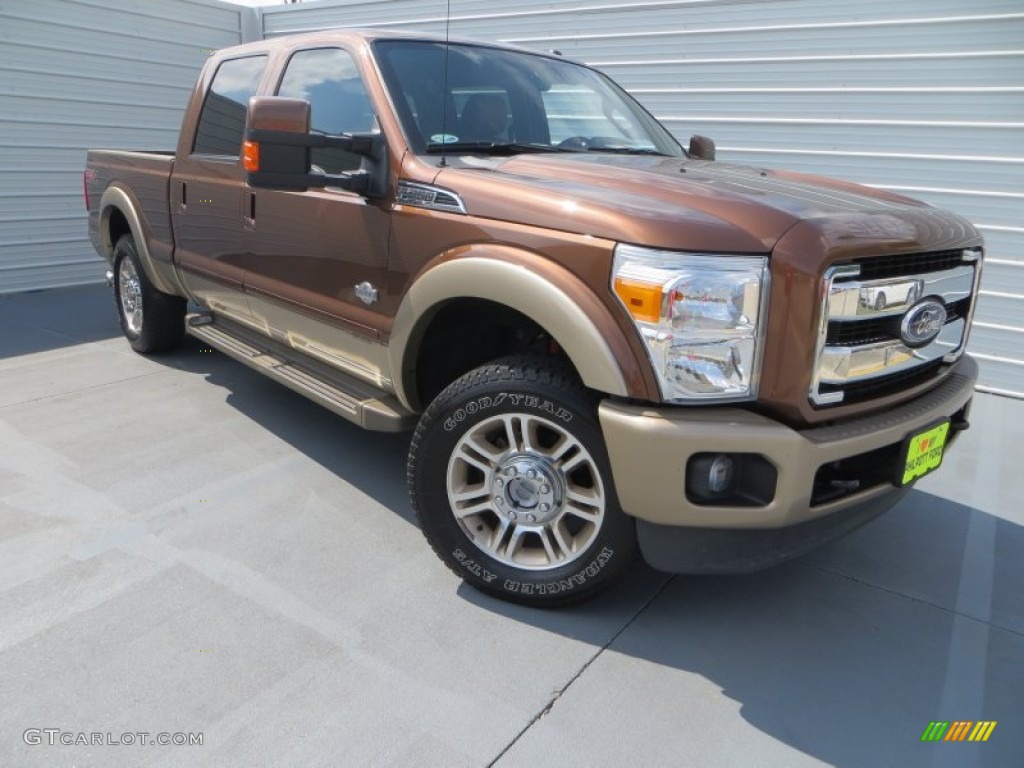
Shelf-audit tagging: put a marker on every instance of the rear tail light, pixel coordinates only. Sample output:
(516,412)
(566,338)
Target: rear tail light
(88,175)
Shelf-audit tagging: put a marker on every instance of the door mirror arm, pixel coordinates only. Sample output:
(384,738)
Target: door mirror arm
(278,142)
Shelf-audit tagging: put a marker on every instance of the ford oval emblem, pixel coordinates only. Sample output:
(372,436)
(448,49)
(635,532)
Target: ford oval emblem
(922,323)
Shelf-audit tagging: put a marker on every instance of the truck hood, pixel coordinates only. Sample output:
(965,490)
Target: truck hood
(668,202)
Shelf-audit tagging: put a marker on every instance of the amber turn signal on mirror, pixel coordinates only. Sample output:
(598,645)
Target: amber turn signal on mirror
(251,156)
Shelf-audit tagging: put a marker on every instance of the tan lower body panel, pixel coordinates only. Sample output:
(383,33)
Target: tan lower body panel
(217,296)
(357,355)
(346,396)
(649,448)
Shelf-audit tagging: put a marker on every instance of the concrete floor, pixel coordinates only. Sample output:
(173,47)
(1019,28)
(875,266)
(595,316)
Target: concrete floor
(188,547)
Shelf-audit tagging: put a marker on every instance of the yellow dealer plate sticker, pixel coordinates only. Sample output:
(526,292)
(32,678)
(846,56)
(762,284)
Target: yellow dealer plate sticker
(923,452)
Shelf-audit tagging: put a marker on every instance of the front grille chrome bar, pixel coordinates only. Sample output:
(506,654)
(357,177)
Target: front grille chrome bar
(841,365)
(874,308)
(891,297)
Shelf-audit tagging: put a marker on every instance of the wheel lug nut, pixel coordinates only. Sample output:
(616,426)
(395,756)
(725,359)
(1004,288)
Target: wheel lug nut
(512,515)
(499,482)
(531,518)
(545,489)
(510,472)
(544,507)
(531,474)
(499,501)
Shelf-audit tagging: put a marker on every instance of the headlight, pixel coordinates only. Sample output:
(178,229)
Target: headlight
(701,317)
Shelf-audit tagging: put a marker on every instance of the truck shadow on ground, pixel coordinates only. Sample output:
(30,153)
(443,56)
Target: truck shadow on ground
(373,462)
(845,655)
(39,321)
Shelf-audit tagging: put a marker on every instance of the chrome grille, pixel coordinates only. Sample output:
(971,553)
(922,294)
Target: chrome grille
(861,350)
(885,328)
(909,263)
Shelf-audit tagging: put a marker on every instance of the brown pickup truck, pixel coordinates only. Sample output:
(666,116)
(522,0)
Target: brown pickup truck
(604,342)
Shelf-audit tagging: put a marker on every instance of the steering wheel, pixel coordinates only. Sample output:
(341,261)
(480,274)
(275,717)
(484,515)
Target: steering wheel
(574,142)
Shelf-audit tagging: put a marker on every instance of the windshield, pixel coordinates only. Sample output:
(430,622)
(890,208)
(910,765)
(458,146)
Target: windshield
(498,101)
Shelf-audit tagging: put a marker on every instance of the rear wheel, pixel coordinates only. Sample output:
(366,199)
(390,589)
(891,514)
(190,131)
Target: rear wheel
(152,321)
(510,480)
(880,301)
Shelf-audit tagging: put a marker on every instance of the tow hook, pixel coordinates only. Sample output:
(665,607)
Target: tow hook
(959,422)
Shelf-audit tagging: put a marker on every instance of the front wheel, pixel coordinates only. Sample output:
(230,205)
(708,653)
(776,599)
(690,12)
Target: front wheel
(510,480)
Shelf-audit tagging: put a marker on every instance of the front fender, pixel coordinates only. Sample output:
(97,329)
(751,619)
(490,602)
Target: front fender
(548,294)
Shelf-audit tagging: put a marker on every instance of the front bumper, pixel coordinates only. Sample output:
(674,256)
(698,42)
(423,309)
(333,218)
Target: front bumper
(649,448)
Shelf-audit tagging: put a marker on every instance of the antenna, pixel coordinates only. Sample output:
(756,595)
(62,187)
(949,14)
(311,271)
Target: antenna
(444,91)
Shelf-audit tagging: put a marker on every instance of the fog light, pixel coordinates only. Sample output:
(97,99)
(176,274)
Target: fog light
(721,473)
(730,480)
(710,476)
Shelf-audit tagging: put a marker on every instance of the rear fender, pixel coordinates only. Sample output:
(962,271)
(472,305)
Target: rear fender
(161,274)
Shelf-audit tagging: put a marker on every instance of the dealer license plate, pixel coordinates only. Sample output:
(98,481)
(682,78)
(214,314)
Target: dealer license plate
(922,452)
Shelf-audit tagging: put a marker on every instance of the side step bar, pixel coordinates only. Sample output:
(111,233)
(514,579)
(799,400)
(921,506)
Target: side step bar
(355,400)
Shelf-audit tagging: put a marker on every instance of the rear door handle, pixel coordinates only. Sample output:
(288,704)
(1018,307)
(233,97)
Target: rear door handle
(249,212)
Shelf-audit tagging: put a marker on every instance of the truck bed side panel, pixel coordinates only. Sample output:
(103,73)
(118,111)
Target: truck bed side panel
(144,177)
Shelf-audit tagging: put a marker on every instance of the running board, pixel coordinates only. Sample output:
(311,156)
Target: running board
(350,398)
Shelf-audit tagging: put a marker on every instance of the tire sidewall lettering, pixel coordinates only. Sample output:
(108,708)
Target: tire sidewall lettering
(473,566)
(533,402)
(556,586)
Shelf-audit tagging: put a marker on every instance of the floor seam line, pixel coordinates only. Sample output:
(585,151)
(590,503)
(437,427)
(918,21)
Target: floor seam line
(76,391)
(586,665)
(930,604)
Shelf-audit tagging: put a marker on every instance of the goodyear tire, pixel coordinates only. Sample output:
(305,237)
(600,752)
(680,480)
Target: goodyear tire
(510,480)
(152,321)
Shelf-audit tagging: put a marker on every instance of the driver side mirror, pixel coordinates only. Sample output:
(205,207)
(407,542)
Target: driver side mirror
(276,152)
(701,147)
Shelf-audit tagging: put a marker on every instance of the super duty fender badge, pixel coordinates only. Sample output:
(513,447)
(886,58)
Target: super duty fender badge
(526,401)
(366,293)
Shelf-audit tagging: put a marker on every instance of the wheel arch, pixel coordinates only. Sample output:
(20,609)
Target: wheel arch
(119,216)
(543,292)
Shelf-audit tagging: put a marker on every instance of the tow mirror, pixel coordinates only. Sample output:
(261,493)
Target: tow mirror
(276,152)
(701,147)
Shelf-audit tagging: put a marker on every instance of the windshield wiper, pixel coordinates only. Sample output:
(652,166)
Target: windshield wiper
(489,147)
(626,151)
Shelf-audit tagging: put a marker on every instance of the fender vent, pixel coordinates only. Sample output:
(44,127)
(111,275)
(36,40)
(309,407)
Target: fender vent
(430,197)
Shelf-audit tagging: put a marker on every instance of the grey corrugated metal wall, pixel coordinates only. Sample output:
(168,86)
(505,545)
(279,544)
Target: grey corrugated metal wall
(924,97)
(920,96)
(81,74)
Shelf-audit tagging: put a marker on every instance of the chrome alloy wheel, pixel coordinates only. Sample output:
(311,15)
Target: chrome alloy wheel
(526,491)
(130,290)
